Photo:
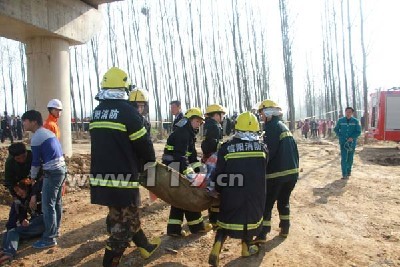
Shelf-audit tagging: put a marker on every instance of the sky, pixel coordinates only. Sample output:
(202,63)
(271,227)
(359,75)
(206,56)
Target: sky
(381,38)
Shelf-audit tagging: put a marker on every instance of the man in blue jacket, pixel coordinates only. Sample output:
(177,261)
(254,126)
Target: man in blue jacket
(46,154)
(348,130)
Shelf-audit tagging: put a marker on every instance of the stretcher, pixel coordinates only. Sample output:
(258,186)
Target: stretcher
(172,187)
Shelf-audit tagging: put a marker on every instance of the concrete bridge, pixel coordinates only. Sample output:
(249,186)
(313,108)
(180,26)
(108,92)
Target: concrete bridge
(48,28)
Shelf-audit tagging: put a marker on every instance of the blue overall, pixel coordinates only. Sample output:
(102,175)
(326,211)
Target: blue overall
(345,129)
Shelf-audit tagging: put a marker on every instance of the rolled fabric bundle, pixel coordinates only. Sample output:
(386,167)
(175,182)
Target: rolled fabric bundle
(175,189)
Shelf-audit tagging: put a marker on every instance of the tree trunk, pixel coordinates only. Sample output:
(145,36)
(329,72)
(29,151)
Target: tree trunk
(23,74)
(337,66)
(94,43)
(11,79)
(183,61)
(344,59)
(194,47)
(75,116)
(353,85)
(287,59)
(236,53)
(4,82)
(365,85)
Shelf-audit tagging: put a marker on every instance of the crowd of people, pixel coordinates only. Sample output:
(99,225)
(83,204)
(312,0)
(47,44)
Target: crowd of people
(316,128)
(11,127)
(121,145)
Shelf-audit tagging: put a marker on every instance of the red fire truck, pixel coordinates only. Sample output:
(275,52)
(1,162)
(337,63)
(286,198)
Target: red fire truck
(385,115)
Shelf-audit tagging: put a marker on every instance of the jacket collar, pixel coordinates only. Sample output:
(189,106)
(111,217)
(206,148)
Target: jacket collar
(52,118)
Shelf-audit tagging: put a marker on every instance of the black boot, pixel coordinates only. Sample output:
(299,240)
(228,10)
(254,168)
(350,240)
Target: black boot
(145,247)
(284,232)
(111,258)
(248,249)
(262,236)
(220,238)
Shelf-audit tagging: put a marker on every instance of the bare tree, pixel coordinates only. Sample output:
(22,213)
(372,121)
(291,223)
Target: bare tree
(205,88)
(352,75)
(309,95)
(364,57)
(78,81)
(4,81)
(11,78)
(75,116)
(344,58)
(337,64)
(287,59)
(154,70)
(264,69)
(165,58)
(183,61)
(234,30)
(196,75)
(94,43)
(90,78)
(23,73)
(142,68)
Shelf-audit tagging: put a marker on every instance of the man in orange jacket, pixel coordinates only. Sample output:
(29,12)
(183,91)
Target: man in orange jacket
(54,107)
(51,123)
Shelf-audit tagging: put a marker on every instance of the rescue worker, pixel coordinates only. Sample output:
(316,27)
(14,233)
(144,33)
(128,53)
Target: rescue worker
(213,134)
(17,167)
(176,111)
(140,100)
(212,130)
(51,123)
(119,143)
(240,180)
(283,167)
(180,149)
(348,129)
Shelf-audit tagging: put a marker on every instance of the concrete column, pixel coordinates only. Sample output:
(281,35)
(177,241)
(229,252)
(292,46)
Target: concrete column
(48,78)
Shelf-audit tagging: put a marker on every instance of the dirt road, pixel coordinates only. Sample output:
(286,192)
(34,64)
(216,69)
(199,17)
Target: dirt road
(334,222)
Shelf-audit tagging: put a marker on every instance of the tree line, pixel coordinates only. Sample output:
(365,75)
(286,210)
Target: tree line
(204,52)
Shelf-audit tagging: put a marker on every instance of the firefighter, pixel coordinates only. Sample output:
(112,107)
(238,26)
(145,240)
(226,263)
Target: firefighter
(282,170)
(51,123)
(348,129)
(180,149)
(240,180)
(212,129)
(213,134)
(140,100)
(119,141)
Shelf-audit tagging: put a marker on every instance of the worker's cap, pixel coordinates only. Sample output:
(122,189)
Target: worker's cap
(55,103)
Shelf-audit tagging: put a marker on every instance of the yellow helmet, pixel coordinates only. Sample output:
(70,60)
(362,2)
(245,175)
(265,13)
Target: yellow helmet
(215,108)
(115,78)
(247,122)
(267,103)
(194,112)
(138,95)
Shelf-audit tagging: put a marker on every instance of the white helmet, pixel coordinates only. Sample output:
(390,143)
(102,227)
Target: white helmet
(55,103)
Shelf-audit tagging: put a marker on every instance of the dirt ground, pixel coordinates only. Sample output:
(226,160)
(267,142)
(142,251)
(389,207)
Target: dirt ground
(334,222)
